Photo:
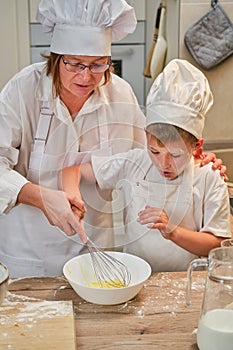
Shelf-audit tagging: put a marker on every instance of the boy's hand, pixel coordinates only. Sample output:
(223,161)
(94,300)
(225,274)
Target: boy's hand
(79,212)
(156,218)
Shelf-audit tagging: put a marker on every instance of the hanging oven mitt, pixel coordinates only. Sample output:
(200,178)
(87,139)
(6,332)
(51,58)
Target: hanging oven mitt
(210,40)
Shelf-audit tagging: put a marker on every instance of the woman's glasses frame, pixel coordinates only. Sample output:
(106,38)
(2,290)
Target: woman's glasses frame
(80,67)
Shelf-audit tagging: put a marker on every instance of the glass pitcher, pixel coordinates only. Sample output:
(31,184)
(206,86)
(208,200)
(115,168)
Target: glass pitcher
(215,327)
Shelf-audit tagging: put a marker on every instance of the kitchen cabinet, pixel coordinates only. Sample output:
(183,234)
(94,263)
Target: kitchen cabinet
(14,38)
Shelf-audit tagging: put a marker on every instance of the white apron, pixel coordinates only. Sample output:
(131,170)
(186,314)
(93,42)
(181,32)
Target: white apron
(177,201)
(33,246)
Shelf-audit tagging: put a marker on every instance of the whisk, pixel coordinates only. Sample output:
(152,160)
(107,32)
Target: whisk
(109,271)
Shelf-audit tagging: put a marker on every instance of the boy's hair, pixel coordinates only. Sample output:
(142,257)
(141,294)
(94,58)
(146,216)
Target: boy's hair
(165,133)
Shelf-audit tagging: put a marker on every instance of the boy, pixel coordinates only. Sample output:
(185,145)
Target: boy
(174,210)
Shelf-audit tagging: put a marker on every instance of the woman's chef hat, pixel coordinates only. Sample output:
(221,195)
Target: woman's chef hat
(180,96)
(85,27)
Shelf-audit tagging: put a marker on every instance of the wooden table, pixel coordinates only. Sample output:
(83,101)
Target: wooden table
(157,318)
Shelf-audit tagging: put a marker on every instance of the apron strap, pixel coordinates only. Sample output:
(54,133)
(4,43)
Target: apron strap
(103,128)
(40,140)
(43,127)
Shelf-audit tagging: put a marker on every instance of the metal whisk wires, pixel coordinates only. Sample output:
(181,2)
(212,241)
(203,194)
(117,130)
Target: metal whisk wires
(109,271)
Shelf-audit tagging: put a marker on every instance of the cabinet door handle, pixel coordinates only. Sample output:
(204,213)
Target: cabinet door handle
(126,52)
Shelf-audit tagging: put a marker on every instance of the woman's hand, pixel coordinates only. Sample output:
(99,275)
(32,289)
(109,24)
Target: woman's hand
(205,158)
(156,218)
(64,211)
(217,164)
(57,207)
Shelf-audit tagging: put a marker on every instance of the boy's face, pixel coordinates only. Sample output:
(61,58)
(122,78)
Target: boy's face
(170,159)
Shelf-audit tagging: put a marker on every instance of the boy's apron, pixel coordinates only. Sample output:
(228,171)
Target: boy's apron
(43,249)
(177,201)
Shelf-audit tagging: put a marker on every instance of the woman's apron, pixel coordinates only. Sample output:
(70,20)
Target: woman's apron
(177,201)
(33,246)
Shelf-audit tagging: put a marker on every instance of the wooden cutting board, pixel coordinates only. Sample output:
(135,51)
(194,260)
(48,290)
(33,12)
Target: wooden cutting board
(37,325)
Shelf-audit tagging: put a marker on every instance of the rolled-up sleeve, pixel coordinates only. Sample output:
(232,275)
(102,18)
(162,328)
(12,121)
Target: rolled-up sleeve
(11,183)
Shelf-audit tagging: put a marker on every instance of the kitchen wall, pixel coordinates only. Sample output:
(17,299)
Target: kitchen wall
(14,38)
(219,123)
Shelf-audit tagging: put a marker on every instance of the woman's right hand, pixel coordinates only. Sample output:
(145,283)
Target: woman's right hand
(57,207)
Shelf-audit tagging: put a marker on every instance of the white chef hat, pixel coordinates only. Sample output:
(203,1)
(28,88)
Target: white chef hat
(85,27)
(180,96)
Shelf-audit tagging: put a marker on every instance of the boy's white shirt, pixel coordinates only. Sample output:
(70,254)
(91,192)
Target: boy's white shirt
(204,201)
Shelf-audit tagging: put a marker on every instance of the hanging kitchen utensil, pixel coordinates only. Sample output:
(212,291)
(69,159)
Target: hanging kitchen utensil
(160,50)
(147,72)
(210,39)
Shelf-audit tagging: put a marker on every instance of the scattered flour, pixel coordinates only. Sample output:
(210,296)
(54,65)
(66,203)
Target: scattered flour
(18,312)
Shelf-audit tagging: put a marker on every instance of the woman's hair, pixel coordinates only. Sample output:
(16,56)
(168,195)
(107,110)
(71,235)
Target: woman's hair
(53,61)
(165,133)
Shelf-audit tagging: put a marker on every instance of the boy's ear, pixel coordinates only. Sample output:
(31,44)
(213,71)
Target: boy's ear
(198,150)
(199,143)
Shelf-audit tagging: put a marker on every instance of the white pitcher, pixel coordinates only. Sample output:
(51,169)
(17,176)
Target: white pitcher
(215,327)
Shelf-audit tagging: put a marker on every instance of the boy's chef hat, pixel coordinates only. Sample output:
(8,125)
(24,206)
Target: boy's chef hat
(86,27)
(180,96)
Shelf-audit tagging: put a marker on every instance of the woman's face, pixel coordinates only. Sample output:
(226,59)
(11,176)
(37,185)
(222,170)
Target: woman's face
(170,159)
(82,83)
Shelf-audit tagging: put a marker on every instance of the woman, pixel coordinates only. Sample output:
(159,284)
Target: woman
(53,115)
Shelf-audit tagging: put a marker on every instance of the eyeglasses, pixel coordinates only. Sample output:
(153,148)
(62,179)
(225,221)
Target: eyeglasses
(79,67)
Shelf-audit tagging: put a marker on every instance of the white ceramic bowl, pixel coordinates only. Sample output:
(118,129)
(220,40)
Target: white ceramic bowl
(4,277)
(79,272)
